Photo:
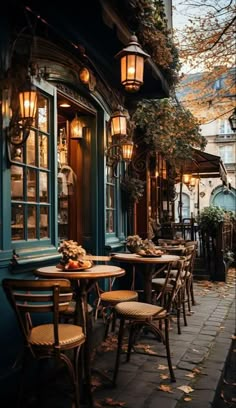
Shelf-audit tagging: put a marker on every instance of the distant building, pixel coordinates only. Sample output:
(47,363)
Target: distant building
(208,106)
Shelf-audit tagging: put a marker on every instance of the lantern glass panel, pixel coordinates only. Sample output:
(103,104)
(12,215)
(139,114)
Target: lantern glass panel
(28,104)
(118,125)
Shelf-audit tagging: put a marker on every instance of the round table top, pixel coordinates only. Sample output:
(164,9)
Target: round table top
(96,272)
(135,258)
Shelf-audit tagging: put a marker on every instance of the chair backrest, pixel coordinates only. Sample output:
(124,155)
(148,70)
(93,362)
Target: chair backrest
(167,296)
(37,296)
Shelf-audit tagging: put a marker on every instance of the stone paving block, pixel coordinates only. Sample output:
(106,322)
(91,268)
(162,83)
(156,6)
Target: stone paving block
(209,331)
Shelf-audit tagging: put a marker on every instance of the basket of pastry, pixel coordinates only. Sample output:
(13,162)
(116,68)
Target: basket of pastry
(151,252)
(78,264)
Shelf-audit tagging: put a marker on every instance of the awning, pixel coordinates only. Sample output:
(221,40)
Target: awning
(205,165)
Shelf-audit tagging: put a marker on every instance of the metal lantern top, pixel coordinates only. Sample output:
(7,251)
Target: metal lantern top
(133,48)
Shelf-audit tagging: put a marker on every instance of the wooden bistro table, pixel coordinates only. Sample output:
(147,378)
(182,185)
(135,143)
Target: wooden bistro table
(149,266)
(82,281)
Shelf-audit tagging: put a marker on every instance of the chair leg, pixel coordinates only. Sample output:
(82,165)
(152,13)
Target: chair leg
(172,375)
(131,341)
(188,295)
(119,347)
(178,309)
(192,293)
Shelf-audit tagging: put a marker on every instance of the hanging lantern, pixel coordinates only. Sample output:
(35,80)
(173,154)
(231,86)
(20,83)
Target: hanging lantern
(187,178)
(127,147)
(28,102)
(132,60)
(76,128)
(232,120)
(119,123)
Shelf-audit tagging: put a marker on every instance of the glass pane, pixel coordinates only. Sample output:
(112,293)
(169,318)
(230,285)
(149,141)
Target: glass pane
(17,222)
(17,183)
(109,173)
(42,113)
(110,197)
(43,151)
(31,222)
(44,224)
(31,185)
(43,187)
(110,221)
(30,149)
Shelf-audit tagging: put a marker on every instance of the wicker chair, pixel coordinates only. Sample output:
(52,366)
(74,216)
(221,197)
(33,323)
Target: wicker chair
(30,299)
(181,299)
(106,300)
(140,315)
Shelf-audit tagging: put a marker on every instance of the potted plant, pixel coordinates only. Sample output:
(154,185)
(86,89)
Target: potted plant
(209,219)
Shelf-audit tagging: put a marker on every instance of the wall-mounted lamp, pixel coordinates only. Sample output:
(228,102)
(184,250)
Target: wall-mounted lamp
(118,152)
(84,75)
(23,115)
(132,60)
(119,122)
(76,128)
(189,181)
(232,120)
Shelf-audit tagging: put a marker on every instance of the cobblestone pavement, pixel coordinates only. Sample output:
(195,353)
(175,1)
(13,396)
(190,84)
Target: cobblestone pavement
(199,355)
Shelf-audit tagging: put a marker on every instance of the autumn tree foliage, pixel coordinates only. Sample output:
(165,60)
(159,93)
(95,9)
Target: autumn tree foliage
(207,45)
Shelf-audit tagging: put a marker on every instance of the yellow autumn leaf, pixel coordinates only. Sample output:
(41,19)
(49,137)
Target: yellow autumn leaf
(186,389)
(165,388)
(187,399)
(190,375)
(164,376)
(162,367)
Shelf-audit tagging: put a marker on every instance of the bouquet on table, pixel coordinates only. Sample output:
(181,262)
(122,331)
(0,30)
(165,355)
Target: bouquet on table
(73,256)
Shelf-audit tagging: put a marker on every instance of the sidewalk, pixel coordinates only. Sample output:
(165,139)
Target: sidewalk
(199,355)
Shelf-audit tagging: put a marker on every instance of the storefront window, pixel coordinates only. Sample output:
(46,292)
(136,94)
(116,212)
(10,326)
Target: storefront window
(30,181)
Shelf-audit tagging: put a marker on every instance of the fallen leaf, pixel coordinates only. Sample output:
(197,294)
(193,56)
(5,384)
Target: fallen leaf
(162,367)
(197,370)
(187,399)
(165,388)
(186,389)
(190,375)
(164,376)
(196,351)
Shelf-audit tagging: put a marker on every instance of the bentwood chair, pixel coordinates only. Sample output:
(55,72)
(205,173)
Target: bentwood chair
(145,315)
(180,299)
(107,299)
(42,299)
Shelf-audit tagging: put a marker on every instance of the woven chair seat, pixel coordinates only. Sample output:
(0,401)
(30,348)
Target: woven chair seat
(116,296)
(139,310)
(43,335)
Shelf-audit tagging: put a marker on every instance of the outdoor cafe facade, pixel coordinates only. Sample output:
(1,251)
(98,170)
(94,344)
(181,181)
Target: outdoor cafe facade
(58,179)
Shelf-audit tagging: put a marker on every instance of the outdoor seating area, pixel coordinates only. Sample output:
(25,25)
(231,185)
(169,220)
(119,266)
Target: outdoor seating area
(168,287)
(159,375)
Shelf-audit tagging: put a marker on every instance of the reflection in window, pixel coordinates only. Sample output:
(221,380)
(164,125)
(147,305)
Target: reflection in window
(30,181)
(17,222)
(226,153)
